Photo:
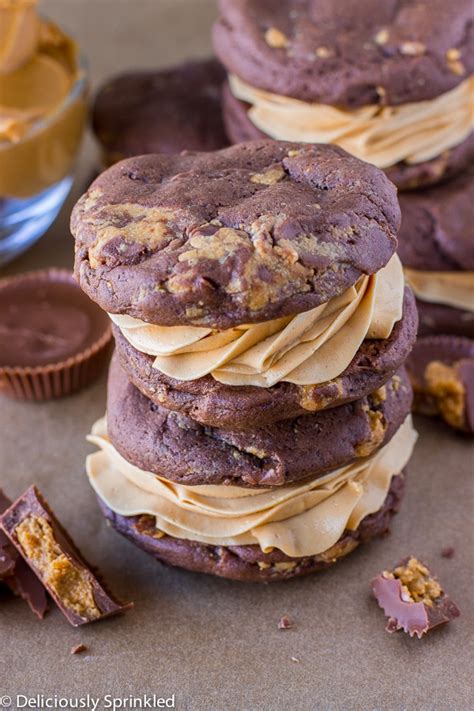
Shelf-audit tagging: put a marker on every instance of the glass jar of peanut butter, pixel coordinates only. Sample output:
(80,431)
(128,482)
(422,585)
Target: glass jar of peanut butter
(43,93)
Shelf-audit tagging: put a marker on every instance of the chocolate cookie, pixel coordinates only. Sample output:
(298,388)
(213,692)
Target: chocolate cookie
(249,563)
(442,320)
(441,370)
(436,235)
(242,235)
(211,403)
(406,176)
(341,53)
(437,225)
(164,111)
(178,448)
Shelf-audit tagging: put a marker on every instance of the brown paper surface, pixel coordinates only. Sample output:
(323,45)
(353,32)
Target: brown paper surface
(214,643)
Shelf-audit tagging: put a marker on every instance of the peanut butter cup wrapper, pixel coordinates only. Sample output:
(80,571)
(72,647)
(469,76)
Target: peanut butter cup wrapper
(42,314)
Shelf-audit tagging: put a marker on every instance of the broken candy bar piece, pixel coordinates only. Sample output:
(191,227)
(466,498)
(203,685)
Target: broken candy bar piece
(49,551)
(412,598)
(8,555)
(16,574)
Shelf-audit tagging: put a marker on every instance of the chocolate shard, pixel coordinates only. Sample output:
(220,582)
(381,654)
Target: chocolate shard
(8,555)
(285,623)
(79,649)
(448,552)
(52,555)
(412,598)
(17,575)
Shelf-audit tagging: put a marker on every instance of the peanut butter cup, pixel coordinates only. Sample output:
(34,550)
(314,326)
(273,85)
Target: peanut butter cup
(53,339)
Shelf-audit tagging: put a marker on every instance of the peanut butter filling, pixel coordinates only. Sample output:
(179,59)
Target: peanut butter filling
(70,583)
(382,135)
(301,519)
(451,288)
(306,349)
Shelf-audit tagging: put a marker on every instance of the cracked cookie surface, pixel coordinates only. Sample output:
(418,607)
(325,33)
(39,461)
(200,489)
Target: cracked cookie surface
(180,449)
(243,235)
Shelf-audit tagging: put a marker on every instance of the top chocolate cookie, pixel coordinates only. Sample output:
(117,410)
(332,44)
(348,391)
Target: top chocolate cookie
(163,111)
(242,235)
(341,53)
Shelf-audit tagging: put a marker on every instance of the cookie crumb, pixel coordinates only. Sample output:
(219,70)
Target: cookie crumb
(285,623)
(453,54)
(448,552)
(457,67)
(79,649)
(323,52)
(276,38)
(412,49)
(382,36)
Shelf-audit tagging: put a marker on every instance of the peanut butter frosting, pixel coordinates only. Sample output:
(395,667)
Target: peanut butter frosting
(306,349)
(450,288)
(38,68)
(381,135)
(300,519)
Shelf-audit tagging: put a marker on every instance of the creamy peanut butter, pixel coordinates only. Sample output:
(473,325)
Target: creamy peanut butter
(300,519)
(309,348)
(19,33)
(381,135)
(39,129)
(451,288)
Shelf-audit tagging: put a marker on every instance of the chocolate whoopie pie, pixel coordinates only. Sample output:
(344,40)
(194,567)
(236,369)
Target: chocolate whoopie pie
(163,111)
(260,309)
(437,251)
(355,74)
(251,233)
(248,563)
(179,449)
(215,404)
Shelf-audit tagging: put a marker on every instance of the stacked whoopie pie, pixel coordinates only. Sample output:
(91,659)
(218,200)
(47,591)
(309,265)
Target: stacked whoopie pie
(391,82)
(436,245)
(258,422)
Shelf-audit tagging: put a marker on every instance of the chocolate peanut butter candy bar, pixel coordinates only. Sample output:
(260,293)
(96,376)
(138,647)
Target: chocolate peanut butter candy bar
(51,554)
(16,574)
(412,598)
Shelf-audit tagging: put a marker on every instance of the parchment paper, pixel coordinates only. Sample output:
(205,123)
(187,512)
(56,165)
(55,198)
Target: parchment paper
(215,644)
